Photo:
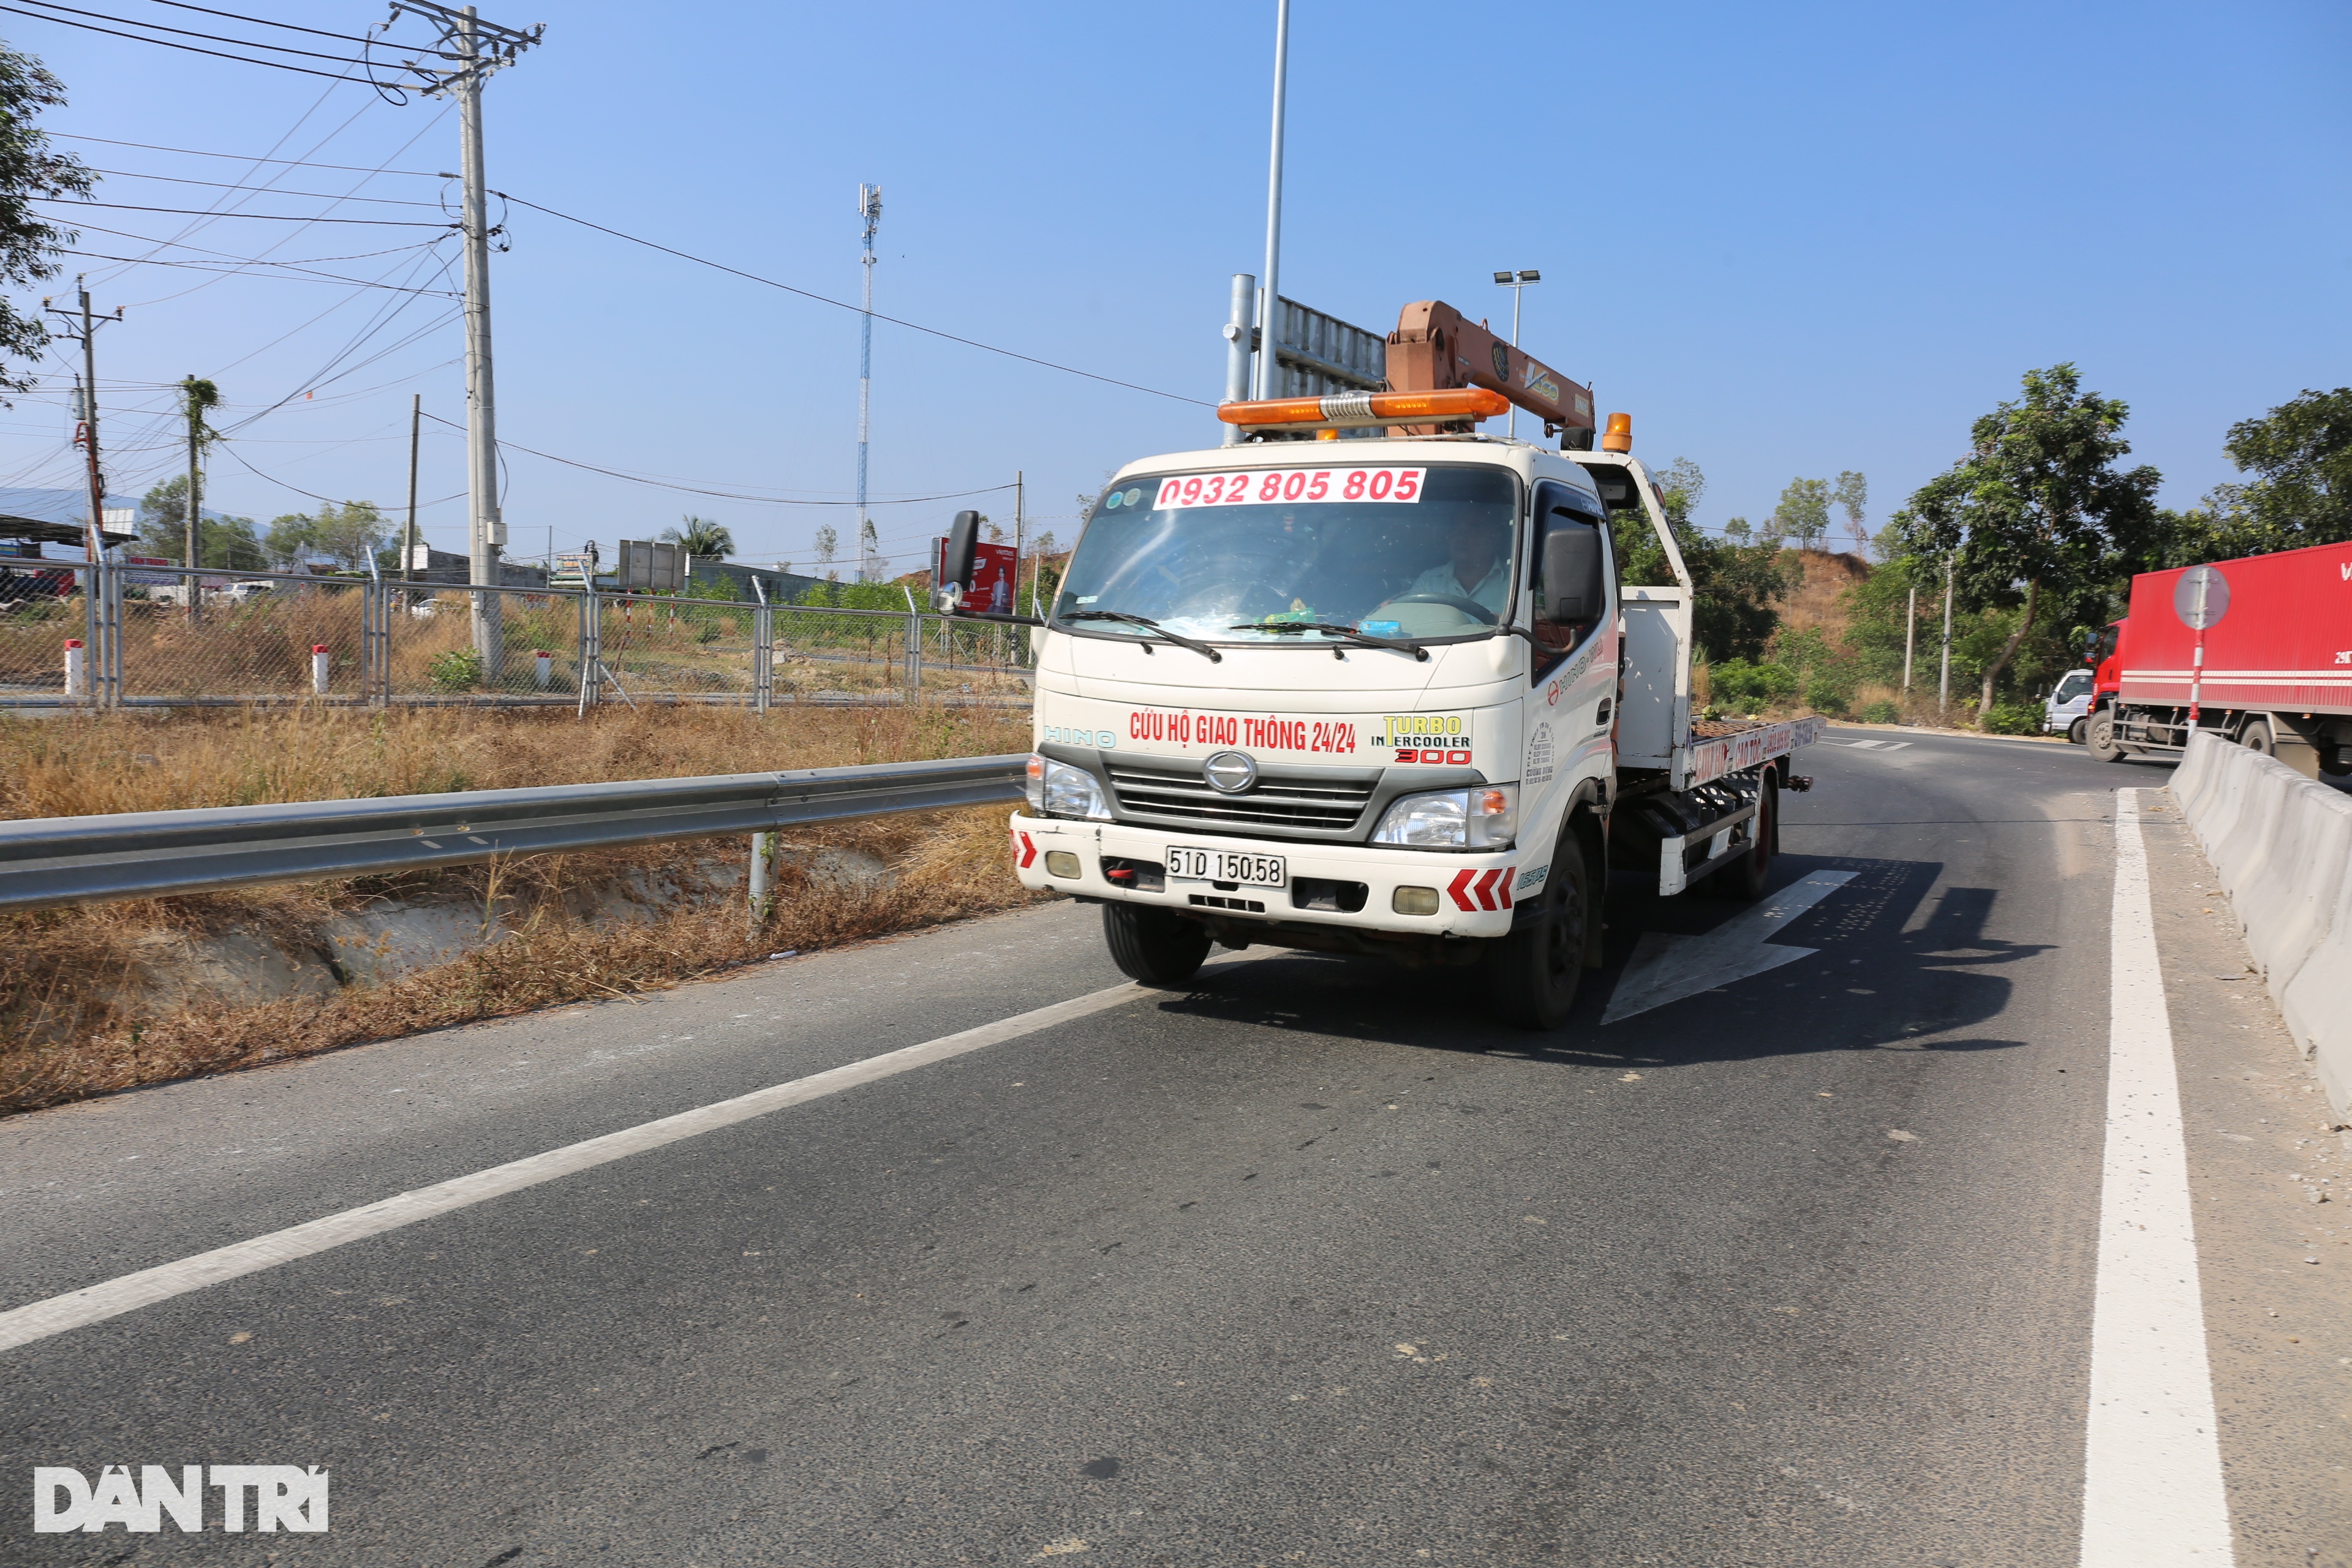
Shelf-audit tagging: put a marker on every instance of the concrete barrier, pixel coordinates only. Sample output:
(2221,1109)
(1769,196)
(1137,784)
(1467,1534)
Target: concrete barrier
(2281,845)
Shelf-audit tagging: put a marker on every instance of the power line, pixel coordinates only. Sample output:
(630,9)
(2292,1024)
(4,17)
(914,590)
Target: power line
(249,158)
(224,186)
(257,21)
(273,217)
(723,495)
(845,305)
(182,32)
(166,43)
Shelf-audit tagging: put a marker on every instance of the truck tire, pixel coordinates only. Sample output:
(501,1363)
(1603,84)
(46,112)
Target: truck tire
(1153,947)
(2101,737)
(1532,973)
(1744,879)
(2078,731)
(2257,737)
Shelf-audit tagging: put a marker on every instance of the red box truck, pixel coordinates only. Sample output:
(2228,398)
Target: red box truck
(2258,650)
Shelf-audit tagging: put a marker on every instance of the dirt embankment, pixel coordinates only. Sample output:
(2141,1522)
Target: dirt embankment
(112,995)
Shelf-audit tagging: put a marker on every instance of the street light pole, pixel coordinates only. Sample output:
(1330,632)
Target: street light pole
(1516,282)
(1269,315)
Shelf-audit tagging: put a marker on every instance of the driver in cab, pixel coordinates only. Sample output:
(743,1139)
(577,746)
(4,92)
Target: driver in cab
(1477,565)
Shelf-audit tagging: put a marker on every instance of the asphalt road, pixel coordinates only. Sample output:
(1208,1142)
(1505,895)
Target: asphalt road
(1308,1265)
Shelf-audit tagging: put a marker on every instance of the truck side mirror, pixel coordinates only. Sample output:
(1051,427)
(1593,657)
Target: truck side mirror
(1574,586)
(955,567)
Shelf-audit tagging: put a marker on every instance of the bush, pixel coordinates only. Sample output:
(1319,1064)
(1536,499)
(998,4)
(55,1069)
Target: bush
(1825,694)
(1881,713)
(460,670)
(1738,683)
(2013,718)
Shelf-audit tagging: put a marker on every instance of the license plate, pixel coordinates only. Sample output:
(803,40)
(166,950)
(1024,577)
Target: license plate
(1225,866)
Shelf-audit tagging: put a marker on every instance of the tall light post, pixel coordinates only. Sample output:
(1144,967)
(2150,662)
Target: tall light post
(1269,315)
(1516,282)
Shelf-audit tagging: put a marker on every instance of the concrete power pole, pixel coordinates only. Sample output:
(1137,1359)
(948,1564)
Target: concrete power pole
(79,316)
(478,48)
(1944,682)
(869,208)
(201,396)
(408,544)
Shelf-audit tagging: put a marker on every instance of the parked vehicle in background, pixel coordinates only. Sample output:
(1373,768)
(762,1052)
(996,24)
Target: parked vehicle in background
(238,593)
(2068,707)
(1385,694)
(2271,668)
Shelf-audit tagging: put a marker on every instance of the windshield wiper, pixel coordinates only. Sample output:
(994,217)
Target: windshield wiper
(1351,633)
(1148,624)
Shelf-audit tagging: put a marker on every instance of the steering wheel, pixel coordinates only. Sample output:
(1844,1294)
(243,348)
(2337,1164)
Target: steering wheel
(1468,607)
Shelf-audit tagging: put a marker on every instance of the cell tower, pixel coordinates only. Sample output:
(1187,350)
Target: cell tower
(869,207)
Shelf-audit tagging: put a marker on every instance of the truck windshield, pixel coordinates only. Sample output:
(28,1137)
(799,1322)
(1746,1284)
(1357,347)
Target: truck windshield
(1389,550)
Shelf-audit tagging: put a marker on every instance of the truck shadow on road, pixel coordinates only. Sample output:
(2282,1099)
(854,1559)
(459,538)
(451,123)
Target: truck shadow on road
(1871,984)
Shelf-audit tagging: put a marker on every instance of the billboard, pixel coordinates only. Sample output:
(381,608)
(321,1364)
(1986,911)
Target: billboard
(641,567)
(995,577)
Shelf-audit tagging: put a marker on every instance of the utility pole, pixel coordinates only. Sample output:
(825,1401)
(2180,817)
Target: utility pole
(478,49)
(202,394)
(408,544)
(869,208)
(1910,632)
(87,437)
(1269,315)
(1944,682)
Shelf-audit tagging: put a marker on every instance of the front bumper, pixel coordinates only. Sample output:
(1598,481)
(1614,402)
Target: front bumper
(1475,892)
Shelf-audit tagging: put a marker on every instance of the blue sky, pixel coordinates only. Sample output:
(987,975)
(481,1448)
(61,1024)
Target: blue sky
(1791,241)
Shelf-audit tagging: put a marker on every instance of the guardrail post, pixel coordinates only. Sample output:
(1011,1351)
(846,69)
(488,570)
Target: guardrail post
(759,880)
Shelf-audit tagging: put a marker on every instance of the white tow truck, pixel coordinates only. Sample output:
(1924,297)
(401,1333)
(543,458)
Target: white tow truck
(1383,695)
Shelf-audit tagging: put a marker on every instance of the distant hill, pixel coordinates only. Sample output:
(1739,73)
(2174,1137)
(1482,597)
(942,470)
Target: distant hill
(1816,603)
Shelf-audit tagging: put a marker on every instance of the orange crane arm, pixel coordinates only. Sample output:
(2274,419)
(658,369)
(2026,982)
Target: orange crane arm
(1434,347)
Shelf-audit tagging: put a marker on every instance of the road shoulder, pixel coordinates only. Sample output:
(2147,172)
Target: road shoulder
(2260,1143)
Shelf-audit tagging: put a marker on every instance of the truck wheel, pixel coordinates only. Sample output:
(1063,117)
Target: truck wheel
(1153,947)
(2257,737)
(1744,879)
(2078,731)
(1532,973)
(2101,737)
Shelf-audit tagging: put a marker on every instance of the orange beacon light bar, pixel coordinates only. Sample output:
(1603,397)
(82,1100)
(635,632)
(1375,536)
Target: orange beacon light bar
(1356,408)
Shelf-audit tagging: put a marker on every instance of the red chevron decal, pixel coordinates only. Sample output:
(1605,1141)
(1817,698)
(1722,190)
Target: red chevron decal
(1028,851)
(1485,890)
(1502,884)
(1460,889)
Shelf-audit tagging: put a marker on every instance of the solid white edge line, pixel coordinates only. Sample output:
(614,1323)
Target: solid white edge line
(95,1303)
(2152,1490)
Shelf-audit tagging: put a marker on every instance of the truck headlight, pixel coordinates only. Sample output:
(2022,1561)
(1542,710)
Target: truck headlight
(1058,789)
(1486,817)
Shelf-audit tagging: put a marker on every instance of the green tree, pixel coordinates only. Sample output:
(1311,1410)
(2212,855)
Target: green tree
(349,534)
(225,544)
(292,536)
(703,537)
(828,545)
(1734,585)
(1804,513)
(2300,456)
(29,171)
(1853,497)
(2038,507)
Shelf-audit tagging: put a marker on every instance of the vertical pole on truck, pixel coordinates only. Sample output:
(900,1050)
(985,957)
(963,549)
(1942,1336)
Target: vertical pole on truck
(1910,634)
(1944,682)
(1238,323)
(1269,315)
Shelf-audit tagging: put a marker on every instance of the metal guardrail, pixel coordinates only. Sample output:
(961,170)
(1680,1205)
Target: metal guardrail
(49,862)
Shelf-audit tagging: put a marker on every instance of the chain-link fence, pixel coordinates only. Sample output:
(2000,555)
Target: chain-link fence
(154,637)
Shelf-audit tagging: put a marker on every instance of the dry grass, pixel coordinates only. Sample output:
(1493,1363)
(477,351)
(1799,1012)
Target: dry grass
(81,1013)
(1818,602)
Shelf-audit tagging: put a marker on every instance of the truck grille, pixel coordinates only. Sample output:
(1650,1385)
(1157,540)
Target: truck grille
(1318,804)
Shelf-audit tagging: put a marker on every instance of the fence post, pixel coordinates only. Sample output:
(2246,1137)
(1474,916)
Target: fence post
(110,630)
(763,659)
(592,647)
(914,646)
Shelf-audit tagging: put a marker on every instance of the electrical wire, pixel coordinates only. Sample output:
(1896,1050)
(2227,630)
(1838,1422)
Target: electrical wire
(723,495)
(274,218)
(48,6)
(238,270)
(845,305)
(166,43)
(249,158)
(264,22)
(220,186)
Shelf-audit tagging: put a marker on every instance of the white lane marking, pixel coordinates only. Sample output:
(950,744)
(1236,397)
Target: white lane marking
(95,1303)
(2152,1459)
(1870,745)
(1667,968)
